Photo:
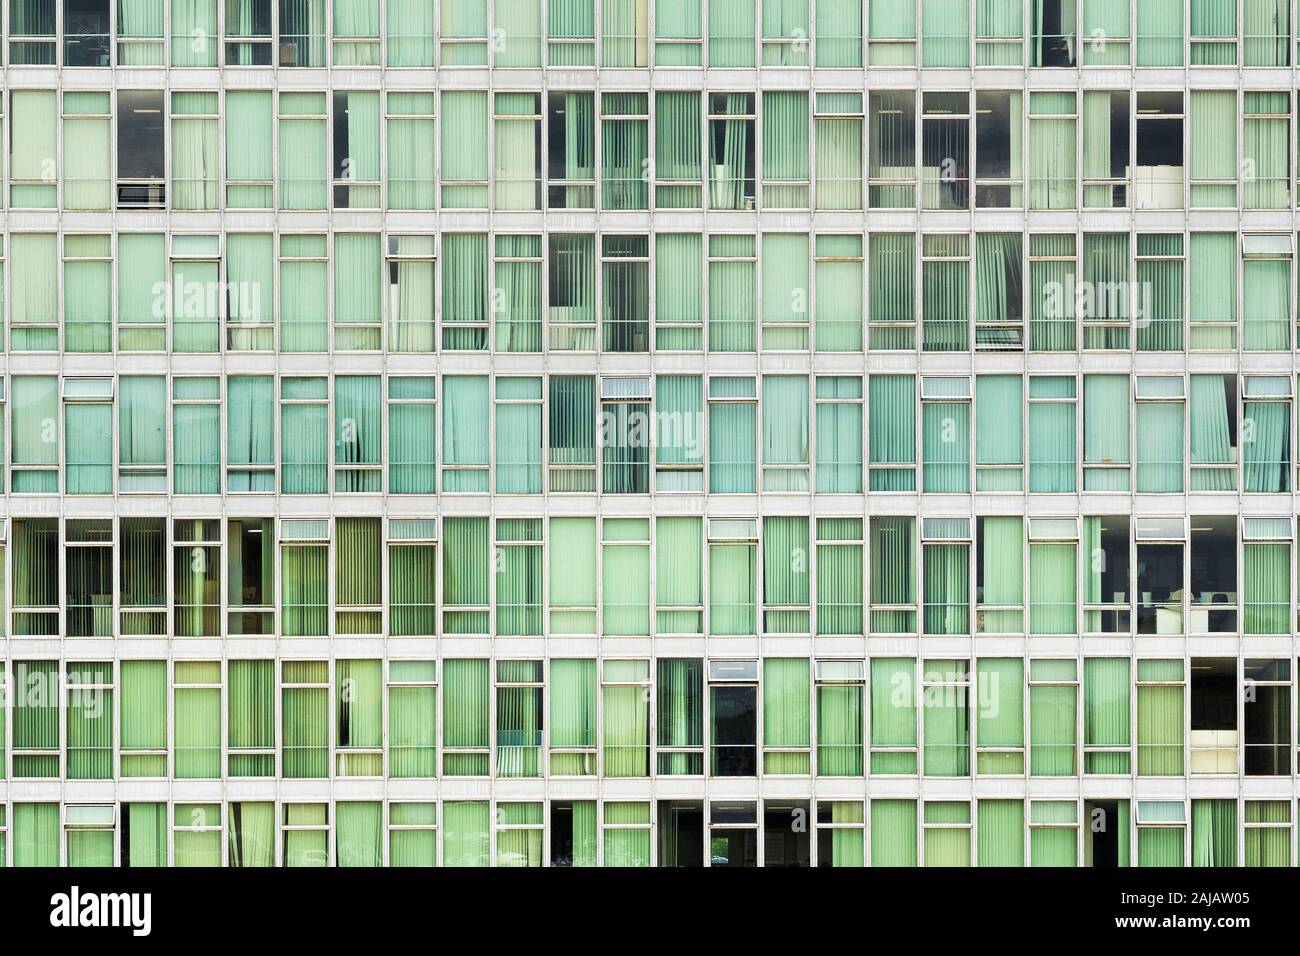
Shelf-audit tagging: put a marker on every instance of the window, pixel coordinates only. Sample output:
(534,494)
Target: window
(89,834)
(88,563)
(677,167)
(786,736)
(840,833)
(34,296)
(196,834)
(1213,134)
(304,703)
(140,174)
(465,704)
(141,277)
(88,424)
(785,433)
(465,433)
(571,35)
(1266,575)
(837,315)
(304,299)
(1053,833)
(571,290)
(1106,740)
(570,147)
(250,291)
(196,293)
(892,34)
(891,141)
(625,293)
(358,575)
(517,559)
(893,716)
(248,33)
(412,581)
(1107,600)
(572,691)
(1106,145)
(893,575)
(1212,305)
(519,834)
(33,130)
(1053,588)
(302,150)
(1268,832)
(947,833)
(840,688)
(143,738)
(305,834)
(1001,833)
(1160,414)
(998,132)
(785,149)
(1052,416)
(1053,716)
(785,292)
(946,717)
(302,33)
(1213,569)
(733,705)
(1266,291)
(464,168)
(87,146)
(519,719)
(999,433)
(945,434)
(679,441)
(251,832)
(572,433)
(412,435)
(572,598)
(196,610)
(87,304)
(465,576)
(357,433)
(892,313)
(625,577)
(250,712)
(194,163)
(892,430)
(999,575)
(1266,434)
(410,140)
(517,162)
(356,43)
(625,155)
(412,723)
(1158,176)
(626,703)
(304,577)
(893,833)
(1160,714)
(731,150)
(945,149)
(945,554)
(465,834)
(196,714)
(142,577)
(1052,159)
(733,560)
(1161,831)
(36,576)
(410,291)
(625,435)
(32,43)
(680,705)
(1266,711)
(732,303)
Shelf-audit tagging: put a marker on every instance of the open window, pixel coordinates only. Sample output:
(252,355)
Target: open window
(1158,175)
(1213,718)
(1213,569)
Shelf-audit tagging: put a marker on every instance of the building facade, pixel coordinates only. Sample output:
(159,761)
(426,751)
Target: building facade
(649,433)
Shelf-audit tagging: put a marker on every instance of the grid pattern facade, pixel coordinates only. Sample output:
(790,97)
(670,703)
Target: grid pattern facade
(648,432)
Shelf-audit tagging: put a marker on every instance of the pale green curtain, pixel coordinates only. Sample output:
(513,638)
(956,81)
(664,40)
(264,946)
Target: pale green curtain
(1055,844)
(1265,144)
(625,581)
(999,717)
(893,833)
(679,594)
(1161,282)
(572,425)
(1211,438)
(304,584)
(515,151)
(624,150)
(249,164)
(197,716)
(412,717)
(1052,172)
(464,168)
(304,294)
(304,720)
(576,20)
(87,149)
(195,154)
(945,36)
(1212,152)
(466,840)
(411,150)
(34,291)
(785,433)
(785,149)
(1265,30)
(145,826)
(87,295)
(519,719)
(945,306)
(304,437)
(730,155)
(731,436)
(144,718)
(1267,578)
(1051,435)
(624,846)
(679,409)
(1106,433)
(1053,708)
(250,273)
(357,20)
(1106,261)
(999,288)
(1212,292)
(892,21)
(250,716)
(893,290)
(1159,32)
(678,291)
(732,302)
(946,589)
(358,291)
(519,293)
(411,32)
(733,580)
(677,149)
(839,576)
(1052,588)
(1110,17)
(465,433)
(1106,688)
(1266,303)
(35,834)
(785,715)
(1000,20)
(358,686)
(519,436)
(465,570)
(1160,846)
(626,736)
(413,834)
(1160,718)
(1214,833)
(465,702)
(1001,589)
(251,831)
(892,432)
(1217,19)
(785,574)
(999,432)
(89,448)
(947,845)
(194,32)
(465,291)
(573,717)
(839,434)
(1051,327)
(1160,446)
(90,723)
(731,33)
(1267,846)
(839,33)
(356,150)
(893,715)
(302,151)
(1267,439)
(946,721)
(572,598)
(412,303)
(358,830)
(839,730)
(1002,833)
(838,274)
(893,575)
(677,20)
(250,433)
(32,156)
(945,447)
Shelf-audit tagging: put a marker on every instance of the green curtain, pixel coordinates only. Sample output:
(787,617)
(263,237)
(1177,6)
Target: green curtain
(999,431)
(945,446)
(839,33)
(731,33)
(732,303)
(465,703)
(1265,31)
(465,291)
(195,162)
(1001,833)
(1052,159)
(1106,688)
(194,32)
(892,432)
(1211,439)
(1053,588)
(1106,434)
(893,289)
(1266,575)
(412,587)
(678,291)
(1266,436)
(785,715)
(412,719)
(572,597)
(90,722)
(1267,845)
(1265,143)
(358,829)
(304,719)
(947,845)
(465,432)
(465,836)
(144,718)
(1054,841)
(412,834)
(519,281)
(358,722)
(945,326)
(1053,708)
(302,151)
(945,36)
(1160,718)
(839,730)
(785,149)
(1212,292)
(1001,587)
(677,149)
(146,834)
(519,716)
(1266,303)
(626,737)
(1160,446)
(680,716)
(1052,434)
(250,710)
(893,715)
(464,169)
(624,148)
(627,845)
(410,140)
(36,834)
(87,148)
(1159,33)
(357,433)
(947,589)
(731,436)
(893,575)
(893,831)
(999,717)
(1051,299)
(250,433)
(251,830)
(839,434)
(679,563)
(785,433)
(197,717)
(573,717)
(465,570)
(732,585)
(411,32)
(946,720)
(1212,135)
